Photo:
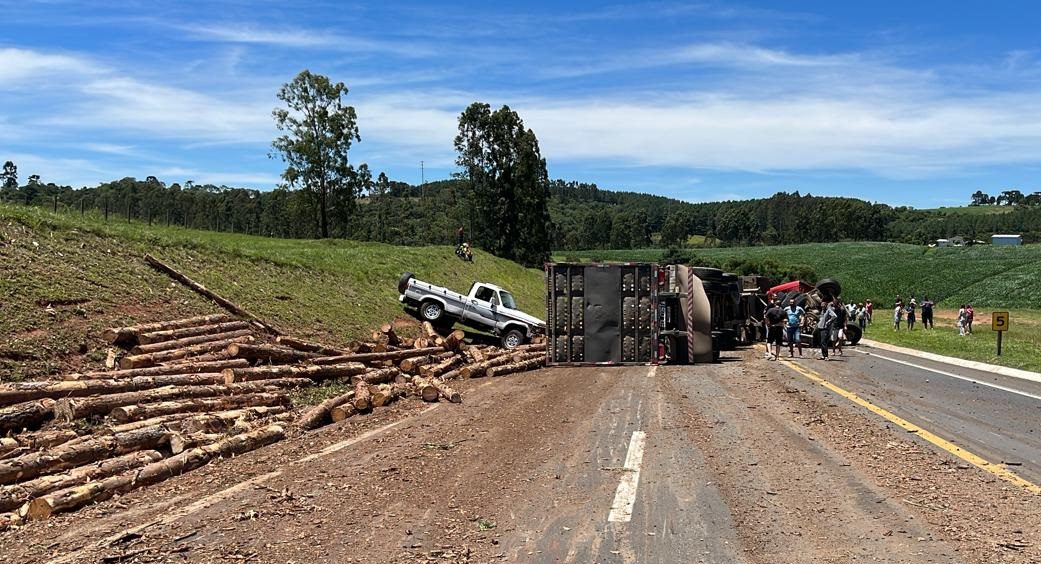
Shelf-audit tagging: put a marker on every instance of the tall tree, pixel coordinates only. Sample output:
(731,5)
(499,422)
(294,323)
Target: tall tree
(9,175)
(318,132)
(509,182)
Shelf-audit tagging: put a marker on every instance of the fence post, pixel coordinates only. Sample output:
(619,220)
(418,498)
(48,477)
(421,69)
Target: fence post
(55,203)
(83,203)
(106,210)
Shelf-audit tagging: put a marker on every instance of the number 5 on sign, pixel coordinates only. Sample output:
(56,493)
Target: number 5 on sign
(999,323)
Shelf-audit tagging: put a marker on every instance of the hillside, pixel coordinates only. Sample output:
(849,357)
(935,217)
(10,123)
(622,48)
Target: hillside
(65,279)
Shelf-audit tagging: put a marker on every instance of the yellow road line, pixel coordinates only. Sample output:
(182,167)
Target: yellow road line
(996,469)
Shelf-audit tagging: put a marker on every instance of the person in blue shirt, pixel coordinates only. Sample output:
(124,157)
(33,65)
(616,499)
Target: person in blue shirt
(795,315)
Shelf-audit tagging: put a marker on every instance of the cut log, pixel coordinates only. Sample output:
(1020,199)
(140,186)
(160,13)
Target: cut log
(479,369)
(425,389)
(27,391)
(433,337)
(172,422)
(14,495)
(243,425)
(73,498)
(7,445)
(384,394)
(185,368)
(454,339)
(377,376)
(70,455)
(446,392)
(372,357)
(45,439)
(188,332)
(221,301)
(422,343)
(358,347)
(8,520)
(362,397)
(76,408)
(319,415)
(180,443)
(316,373)
(306,346)
(188,342)
(452,374)
(434,370)
(149,410)
(412,365)
(517,367)
(204,357)
(26,415)
(145,360)
(387,329)
(268,353)
(128,335)
(220,421)
(343,411)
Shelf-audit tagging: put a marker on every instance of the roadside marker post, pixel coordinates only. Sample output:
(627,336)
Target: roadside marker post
(999,322)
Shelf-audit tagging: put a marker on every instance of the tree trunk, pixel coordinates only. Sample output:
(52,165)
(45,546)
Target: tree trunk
(433,370)
(384,394)
(517,367)
(316,373)
(479,369)
(70,455)
(13,496)
(220,421)
(362,397)
(45,439)
(371,357)
(186,368)
(188,341)
(187,332)
(412,365)
(433,337)
(180,443)
(71,409)
(226,304)
(392,337)
(172,422)
(128,335)
(73,498)
(425,389)
(146,360)
(343,411)
(306,346)
(146,411)
(320,414)
(454,340)
(27,391)
(25,415)
(268,353)
(376,376)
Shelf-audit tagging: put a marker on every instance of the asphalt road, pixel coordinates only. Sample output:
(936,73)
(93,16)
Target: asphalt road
(995,417)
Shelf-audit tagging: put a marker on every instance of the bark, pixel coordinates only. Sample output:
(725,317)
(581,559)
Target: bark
(171,335)
(384,394)
(434,370)
(316,373)
(220,421)
(454,340)
(446,392)
(25,415)
(362,397)
(517,367)
(422,343)
(172,422)
(45,439)
(342,411)
(70,455)
(146,411)
(73,498)
(185,368)
(387,329)
(225,303)
(189,341)
(7,445)
(146,360)
(425,389)
(452,374)
(27,391)
(129,335)
(310,347)
(180,443)
(14,495)
(321,414)
(377,376)
(479,369)
(412,365)
(72,408)
(433,337)
(372,357)
(268,353)
(358,347)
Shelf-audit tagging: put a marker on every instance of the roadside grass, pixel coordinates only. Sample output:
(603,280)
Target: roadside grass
(1020,347)
(64,278)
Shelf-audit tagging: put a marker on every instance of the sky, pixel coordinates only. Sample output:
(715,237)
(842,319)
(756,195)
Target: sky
(911,103)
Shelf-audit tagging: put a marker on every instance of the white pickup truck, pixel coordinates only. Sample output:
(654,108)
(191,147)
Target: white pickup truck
(487,307)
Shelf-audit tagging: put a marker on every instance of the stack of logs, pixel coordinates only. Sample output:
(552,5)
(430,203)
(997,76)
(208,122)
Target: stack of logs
(193,390)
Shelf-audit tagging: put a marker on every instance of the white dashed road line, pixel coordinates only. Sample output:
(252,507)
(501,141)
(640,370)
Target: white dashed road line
(625,495)
(952,375)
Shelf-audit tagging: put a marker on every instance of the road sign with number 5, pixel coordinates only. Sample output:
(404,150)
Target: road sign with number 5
(999,321)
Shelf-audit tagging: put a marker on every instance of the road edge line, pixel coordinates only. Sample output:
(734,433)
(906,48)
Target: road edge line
(976,381)
(995,469)
(972,364)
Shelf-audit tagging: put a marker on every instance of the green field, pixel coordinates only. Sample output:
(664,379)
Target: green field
(972,210)
(65,278)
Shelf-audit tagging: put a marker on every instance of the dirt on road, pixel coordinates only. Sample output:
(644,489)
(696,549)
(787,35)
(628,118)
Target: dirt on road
(744,461)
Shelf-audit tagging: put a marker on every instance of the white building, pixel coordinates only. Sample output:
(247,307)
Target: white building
(1006,239)
(942,242)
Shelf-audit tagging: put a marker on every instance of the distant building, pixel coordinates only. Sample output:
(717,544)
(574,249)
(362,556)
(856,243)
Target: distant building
(942,242)
(1006,239)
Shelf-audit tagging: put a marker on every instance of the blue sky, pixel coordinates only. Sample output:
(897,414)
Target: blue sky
(916,103)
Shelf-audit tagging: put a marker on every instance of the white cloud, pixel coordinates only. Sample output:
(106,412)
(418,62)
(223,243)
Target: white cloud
(228,178)
(302,38)
(22,68)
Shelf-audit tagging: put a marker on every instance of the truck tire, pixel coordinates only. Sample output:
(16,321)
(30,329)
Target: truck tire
(431,311)
(403,282)
(512,339)
(853,334)
(829,288)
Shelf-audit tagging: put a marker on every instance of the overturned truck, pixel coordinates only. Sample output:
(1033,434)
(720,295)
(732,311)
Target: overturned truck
(811,299)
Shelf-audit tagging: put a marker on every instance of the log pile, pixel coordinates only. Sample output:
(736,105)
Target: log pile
(193,390)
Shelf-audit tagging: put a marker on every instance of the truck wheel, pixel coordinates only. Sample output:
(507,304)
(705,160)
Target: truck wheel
(512,339)
(829,288)
(431,311)
(403,282)
(853,334)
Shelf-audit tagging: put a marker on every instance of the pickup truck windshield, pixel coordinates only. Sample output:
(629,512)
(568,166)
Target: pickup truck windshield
(507,300)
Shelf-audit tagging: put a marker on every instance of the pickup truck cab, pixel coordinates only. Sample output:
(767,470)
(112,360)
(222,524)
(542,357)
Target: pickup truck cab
(485,306)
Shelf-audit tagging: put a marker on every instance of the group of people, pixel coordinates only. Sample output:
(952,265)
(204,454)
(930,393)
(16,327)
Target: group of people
(786,324)
(860,313)
(910,310)
(965,315)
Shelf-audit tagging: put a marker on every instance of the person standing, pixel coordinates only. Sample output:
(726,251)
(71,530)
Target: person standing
(911,305)
(962,320)
(795,315)
(969,316)
(927,313)
(459,236)
(898,316)
(838,331)
(870,308)
(824,326)
(774,329)
(862,317)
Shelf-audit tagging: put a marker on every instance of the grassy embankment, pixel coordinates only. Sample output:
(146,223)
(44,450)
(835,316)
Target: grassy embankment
(63,279)
(990,278)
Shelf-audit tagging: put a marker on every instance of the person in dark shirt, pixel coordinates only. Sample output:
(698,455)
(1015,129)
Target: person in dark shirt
(775,318)
(910,314)
(927,313)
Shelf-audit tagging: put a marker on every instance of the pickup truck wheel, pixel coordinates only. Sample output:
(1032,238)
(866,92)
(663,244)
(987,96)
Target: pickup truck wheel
(512,339)
(403,282)
(431,311)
